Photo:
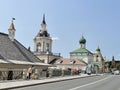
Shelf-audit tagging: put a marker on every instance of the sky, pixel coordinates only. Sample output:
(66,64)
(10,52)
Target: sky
(67,20)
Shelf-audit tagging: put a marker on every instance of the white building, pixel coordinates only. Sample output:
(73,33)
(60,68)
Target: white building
(82,53)
(15,58)
(92,59)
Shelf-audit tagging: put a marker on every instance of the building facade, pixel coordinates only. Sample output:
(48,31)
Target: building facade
(15,58)
(94,60)
(82,53)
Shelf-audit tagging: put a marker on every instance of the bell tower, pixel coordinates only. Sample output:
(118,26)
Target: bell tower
(43,41)
(43,45)
(11,31)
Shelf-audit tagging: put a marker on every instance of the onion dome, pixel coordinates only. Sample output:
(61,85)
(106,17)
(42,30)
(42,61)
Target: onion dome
(82,40)
(98,49)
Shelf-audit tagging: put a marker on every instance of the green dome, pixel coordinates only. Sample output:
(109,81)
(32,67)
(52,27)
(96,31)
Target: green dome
(82,40)
(98,49)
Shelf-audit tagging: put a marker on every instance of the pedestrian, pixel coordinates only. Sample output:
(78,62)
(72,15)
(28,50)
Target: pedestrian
(29,72)
(33,72)
(75,71)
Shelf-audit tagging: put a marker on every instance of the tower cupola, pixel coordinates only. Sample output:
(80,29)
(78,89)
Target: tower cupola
(43,31)
(11,30)
(82,42)
(43,41)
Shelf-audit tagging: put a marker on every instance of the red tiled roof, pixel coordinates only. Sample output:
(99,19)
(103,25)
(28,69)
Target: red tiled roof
(69,61)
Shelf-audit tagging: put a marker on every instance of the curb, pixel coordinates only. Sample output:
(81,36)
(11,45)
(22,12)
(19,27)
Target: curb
(46,82)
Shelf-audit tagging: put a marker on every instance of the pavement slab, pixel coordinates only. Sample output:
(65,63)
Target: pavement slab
(23,83)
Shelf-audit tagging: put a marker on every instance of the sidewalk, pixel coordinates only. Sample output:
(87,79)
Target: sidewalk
(23,83)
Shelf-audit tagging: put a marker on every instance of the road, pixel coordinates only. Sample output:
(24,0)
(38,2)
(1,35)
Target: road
(105,82)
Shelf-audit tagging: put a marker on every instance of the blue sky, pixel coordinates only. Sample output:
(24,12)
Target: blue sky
(97,20)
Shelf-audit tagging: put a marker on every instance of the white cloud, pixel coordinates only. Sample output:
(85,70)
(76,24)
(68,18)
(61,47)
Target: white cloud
(55,38)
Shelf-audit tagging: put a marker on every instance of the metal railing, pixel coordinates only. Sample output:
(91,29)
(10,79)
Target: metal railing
(6,74)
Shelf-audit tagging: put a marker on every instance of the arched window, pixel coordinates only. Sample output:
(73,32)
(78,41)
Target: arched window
(97,58)
(38,49)
(47,46)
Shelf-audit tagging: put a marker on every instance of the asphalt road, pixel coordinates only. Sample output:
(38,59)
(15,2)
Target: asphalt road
(105,82)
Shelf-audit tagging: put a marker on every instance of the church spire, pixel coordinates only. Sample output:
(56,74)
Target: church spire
(43,19)
(43,24)
(113,58)
(12,25)
(11,30)
(43,41)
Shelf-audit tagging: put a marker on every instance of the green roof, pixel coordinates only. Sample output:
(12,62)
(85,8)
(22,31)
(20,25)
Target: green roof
(81,50)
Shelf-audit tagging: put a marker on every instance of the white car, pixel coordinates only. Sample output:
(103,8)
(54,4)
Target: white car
(116,72)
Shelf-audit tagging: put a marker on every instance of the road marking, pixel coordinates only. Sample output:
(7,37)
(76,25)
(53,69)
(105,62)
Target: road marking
(90,83)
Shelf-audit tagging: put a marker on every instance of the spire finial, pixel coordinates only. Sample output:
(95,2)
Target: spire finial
(113,58)
(98,49)
(82,34)
(13,19)
(44,19)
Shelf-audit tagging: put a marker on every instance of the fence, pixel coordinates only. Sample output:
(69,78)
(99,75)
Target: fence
(16,74)
(58,72)
(6,74)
